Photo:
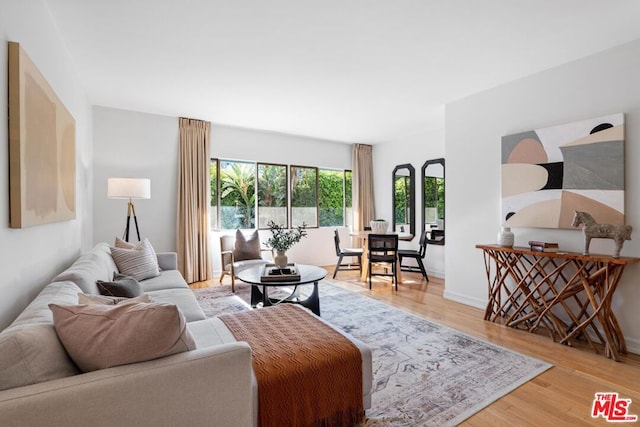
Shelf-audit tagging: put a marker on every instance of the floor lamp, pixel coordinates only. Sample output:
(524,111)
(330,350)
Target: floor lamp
(129,188)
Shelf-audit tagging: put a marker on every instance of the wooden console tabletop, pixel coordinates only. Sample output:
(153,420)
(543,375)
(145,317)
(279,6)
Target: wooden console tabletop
(567,293)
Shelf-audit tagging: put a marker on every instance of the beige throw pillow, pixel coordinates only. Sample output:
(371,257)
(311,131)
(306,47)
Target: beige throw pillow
(101,336)
(105,300)
(247,247)
(123,244)
(140,262)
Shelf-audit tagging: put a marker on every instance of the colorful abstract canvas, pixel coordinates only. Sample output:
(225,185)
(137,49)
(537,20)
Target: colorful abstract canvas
(549,173)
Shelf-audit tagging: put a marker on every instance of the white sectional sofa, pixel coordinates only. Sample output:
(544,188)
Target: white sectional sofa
(211,385)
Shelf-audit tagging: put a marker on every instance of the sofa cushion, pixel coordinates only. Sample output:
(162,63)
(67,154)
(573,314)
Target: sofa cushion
(140,262)
(30,354)
(107,300)
(30,351)
(183,298)
(168,279)
(102,336)
(97,264)
(247,247)
(123,286)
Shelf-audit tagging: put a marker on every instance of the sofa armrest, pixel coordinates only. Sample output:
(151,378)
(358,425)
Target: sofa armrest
(167,260)
(205,386)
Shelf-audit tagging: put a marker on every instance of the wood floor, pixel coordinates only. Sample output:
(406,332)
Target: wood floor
(561,396)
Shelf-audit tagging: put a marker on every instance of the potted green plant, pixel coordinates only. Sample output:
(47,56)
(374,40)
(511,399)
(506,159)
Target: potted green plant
(283,239)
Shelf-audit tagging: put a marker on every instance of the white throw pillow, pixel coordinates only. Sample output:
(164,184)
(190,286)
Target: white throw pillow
(107,300)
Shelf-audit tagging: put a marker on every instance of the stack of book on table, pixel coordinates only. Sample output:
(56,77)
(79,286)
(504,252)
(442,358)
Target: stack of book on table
(543,246)
(273,273)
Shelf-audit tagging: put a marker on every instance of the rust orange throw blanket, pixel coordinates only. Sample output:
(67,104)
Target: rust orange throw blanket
(308,374)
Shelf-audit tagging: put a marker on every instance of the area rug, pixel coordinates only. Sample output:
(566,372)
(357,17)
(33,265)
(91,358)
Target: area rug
(425,374)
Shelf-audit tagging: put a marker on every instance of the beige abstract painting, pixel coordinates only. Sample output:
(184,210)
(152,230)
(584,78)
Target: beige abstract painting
(42,165)
(549,173)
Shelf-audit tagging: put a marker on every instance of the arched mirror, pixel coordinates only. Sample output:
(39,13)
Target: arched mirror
(404,203)
(433,200)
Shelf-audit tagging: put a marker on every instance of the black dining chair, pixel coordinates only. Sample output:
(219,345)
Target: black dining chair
(383,249)
(346,252)
(418,255)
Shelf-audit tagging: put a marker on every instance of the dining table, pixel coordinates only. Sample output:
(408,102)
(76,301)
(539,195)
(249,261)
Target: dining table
(363,235)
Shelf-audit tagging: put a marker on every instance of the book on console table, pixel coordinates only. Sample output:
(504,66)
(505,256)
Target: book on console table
(273,273)
(543,246)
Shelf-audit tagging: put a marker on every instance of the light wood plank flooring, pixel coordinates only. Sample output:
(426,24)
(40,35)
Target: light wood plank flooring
(562,396)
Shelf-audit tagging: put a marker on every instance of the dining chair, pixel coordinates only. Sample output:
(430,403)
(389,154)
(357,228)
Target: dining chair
(383,249)
(346,252)
(418,255)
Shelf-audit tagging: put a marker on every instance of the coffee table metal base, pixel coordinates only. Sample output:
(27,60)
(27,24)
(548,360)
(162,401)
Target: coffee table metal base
(312,302)
(309,275)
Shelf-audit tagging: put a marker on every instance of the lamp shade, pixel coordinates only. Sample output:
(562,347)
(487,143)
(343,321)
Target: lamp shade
(128,188)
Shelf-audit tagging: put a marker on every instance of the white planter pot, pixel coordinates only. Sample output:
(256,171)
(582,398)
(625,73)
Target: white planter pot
(379,227)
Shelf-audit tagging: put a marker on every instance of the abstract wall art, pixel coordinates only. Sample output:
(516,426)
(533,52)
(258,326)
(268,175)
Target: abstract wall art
(549,173)
(42,159)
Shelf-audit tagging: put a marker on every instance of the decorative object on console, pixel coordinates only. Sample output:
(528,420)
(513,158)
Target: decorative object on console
(539,246)
(282,240)
(506,237)
(591,229)
(548,173)
(129,188)
(379,226)
(42,153)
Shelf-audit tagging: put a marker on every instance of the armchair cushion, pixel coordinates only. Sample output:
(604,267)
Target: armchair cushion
(247,248)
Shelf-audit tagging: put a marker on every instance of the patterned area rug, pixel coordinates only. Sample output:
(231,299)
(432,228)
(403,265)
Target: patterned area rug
(425,374)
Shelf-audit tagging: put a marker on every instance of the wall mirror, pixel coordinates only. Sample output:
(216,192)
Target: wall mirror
(433,200)
(404,203)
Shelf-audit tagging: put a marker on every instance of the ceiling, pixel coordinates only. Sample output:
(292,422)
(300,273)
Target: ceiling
(365,71)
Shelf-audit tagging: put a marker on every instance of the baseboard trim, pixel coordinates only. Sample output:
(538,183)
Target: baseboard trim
(633,345)
(435,273)
(464,299)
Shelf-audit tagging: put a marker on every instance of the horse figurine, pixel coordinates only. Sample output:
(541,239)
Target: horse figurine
(591,229)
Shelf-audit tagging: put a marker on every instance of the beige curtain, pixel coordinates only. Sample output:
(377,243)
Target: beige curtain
(363,200)
(194,260)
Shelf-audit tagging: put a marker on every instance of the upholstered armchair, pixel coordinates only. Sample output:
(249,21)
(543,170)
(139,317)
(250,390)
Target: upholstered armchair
(240,252)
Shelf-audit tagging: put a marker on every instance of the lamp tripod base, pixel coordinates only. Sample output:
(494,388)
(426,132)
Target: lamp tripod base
(131,211)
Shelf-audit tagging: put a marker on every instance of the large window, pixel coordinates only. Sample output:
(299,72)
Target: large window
(237,194)
(272,194)
(331,198)
(248,195)
(304,196)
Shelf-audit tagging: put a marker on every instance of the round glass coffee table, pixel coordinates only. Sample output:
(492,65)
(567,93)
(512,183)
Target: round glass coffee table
(309,274)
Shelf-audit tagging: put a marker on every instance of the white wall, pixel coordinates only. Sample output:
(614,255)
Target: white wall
(598,85)
(31,256)
(133,144)
(415,149)
(129,144)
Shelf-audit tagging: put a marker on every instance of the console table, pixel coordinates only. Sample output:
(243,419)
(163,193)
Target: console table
(567,293)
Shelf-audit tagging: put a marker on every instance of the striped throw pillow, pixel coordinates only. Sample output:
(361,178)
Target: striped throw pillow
(140,262)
